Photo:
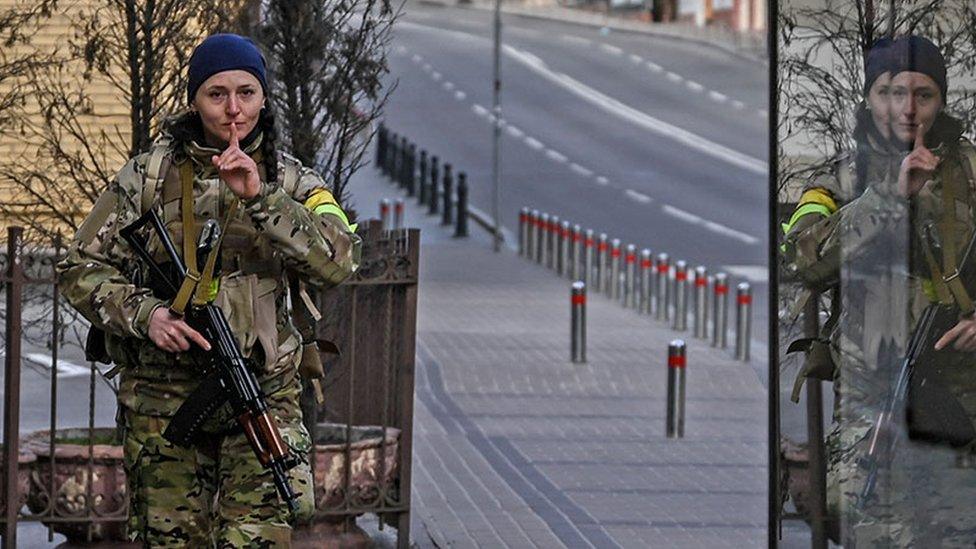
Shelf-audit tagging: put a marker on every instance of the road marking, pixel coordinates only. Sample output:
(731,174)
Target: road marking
(600,180)
(556,155)
(479,110)
(681,214)
(585,172)
(639,197)
(715,96)
(636,58)
(694,86)
(576,39)
(654,66)
(674,77)
(514,132)
(642,119)
(739,105)
(435,75)
(65,368)
(727,231)
(752,273)
(534,143)
(459,95)
(448,85)
(613,50)
(417,58)
(426,67)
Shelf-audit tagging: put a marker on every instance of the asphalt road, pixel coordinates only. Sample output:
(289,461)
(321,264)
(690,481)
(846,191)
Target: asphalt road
(658,142)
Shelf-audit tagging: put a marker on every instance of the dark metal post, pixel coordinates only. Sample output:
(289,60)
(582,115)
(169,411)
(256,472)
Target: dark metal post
(11,384)
(661,297)
(601,261)
(578,327)
(646,272)
(447,195)
(720,306)
(574,253)
(523,232)
(587,256)
(434,189)
(393,154)
(562,266)
(461,227)
(701,311)
(541,232)
(412,170)
(630,293)
(552,246)
(677,360)
(613,286)
(533,239)
(422,184)
(404,153)
(680,296)
(743,321)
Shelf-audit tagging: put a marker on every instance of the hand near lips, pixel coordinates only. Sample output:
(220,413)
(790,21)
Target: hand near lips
(917,167)
(237,169)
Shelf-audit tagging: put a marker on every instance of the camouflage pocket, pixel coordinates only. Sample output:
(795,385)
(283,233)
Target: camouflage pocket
(249,304)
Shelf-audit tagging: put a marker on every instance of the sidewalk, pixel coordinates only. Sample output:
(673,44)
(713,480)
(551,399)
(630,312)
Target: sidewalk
(515,446)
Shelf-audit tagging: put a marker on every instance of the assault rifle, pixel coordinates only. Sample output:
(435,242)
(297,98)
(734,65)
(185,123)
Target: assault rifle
(227,377)
(932,413)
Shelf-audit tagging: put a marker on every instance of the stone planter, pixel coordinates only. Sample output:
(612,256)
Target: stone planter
(365,453)
(25,460)
(74,482)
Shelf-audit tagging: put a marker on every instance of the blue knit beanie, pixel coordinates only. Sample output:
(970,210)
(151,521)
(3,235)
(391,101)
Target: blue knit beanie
(224,52)
(918,54)
(877,63)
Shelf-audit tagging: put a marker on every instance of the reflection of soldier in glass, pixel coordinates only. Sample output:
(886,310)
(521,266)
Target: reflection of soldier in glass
(899,242)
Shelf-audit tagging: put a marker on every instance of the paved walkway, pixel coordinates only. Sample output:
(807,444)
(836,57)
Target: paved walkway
(515,446)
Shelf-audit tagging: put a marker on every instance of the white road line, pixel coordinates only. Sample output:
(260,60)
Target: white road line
(715,96)
(514,132)
(556,155)
(426,67)
(639,197)
(613,50)
(694,86)
(417,58)
(479,110)
(739,105)
(680,214)
(459,95)
(435,75)
(636,58)
(576,39)
(654,66)
(642,119)
(65,368)
(585,172)
(674,77)
(600,180)
(448,86)
(738,235)
(534,143)
(752,273)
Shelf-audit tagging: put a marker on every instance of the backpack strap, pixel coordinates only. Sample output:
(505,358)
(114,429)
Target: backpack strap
(156,167)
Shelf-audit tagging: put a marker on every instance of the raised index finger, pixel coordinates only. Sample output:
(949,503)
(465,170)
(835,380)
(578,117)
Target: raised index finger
(234,143)
(919,137)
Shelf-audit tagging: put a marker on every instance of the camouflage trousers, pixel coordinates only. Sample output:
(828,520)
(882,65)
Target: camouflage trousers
(215,494)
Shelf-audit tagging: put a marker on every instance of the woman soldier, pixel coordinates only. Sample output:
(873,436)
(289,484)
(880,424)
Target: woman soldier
(218,161)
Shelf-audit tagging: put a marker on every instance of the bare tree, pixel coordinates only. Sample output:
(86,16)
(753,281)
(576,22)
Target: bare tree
(328,60)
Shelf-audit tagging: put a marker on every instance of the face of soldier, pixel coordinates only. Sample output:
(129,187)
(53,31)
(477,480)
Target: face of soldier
(915,101)
(229,97)
(879,103)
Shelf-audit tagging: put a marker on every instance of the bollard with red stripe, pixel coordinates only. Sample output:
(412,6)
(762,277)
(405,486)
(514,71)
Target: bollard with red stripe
(602,253)
(630,280)
(661,287)
(743,320)
(385,214)
(574,252)
(398,213)
(543,230)
(577,303)
(523,231)
(613,288)
(701,311)
(680,296)
(532,228)
(565,237)
(720,311)
(552,244)
(588,246)
(677,363)
(646,271)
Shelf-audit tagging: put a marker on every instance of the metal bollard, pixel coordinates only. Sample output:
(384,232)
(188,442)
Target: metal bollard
(412,170)
(646,282)
(720,310)
(577,344)
(661,297)
(398,214)
(432,196)
(613,288)
(677,361)
(404,152)
(422,183)
(701,310)
(385,214)
(743,320)
(391,155)
(448,195)
(552,246)
(543,226)
(630,293)
(380,145)
(461,224)
(577,239)
(523,232)
(588,256)
(532,228)
(602,251)
(680,296)
(564,239)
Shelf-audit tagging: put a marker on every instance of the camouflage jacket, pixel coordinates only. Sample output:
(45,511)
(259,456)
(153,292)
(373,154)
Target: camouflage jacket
(270,233)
